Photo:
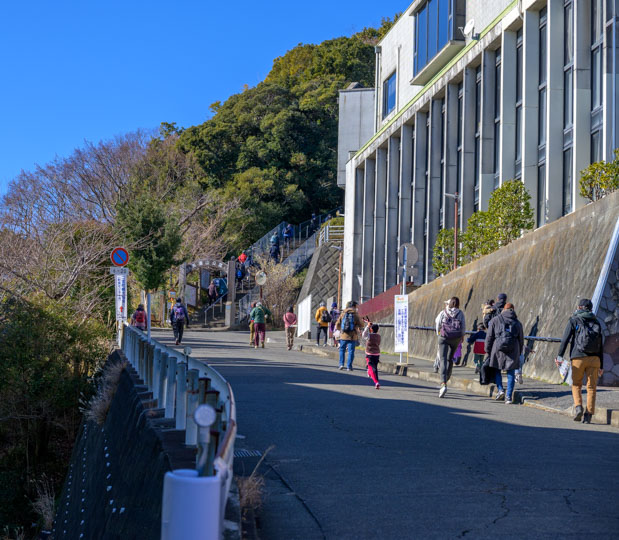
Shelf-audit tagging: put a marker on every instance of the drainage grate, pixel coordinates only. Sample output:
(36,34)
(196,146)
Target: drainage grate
(247,453)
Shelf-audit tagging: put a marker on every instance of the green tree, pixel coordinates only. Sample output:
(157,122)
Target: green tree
(511,214)
(156,237)
(443,253)
(599,179)
(477,238)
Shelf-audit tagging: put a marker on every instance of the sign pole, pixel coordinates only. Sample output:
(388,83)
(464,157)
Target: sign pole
(148,314)
(403,284)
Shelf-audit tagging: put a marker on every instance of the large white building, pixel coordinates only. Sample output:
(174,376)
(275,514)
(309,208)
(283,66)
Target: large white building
(471,94)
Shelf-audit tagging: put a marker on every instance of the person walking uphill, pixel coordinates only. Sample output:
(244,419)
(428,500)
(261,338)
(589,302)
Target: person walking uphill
(138,319)
(450,326)
(179,318)
(504,343)
(349,324)
(290,321)
(584,334)
(323,318)
(372,351)
(259,315)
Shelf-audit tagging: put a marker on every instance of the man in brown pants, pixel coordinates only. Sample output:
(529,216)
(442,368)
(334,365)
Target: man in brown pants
(584,334)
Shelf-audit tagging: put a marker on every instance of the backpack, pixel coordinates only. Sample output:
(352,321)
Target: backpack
(140,317)
(348,324)
(179,313)
(275,239)
(588,336)
(325,317)
(507,337)
(239,274)
(451,327)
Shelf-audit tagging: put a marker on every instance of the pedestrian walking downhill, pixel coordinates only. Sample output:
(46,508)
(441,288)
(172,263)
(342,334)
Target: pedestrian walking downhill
(138,319)
(259,315)
(179,319)
(450,326)
(584,335)
(505,342)
(372,350)
(252,329)
(350,325)
(290,323)
(323,318)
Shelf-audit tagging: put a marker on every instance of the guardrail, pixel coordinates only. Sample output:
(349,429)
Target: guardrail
(194,501)
(331,233)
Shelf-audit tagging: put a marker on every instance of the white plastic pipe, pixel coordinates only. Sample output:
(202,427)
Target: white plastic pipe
(181,395)
(191,428)
(169,399)
(156,372)
(163,381)
(191,506)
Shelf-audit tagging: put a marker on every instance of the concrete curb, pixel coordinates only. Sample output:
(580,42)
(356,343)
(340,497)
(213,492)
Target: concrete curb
(602,415)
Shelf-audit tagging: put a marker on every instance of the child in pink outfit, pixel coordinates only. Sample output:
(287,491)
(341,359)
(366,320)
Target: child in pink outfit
(372,351)
(290,322)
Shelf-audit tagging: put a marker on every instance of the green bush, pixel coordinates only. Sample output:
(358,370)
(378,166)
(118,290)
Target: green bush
(600,178)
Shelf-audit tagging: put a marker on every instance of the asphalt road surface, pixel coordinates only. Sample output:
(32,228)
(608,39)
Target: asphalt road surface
(353,462)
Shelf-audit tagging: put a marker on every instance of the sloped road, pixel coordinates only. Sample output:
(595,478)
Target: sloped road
(353,462)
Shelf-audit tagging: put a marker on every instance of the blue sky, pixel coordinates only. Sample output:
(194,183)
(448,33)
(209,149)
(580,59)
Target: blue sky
(89,70)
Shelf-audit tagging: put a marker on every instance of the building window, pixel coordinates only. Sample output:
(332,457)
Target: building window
(568,103)
(433,30)
(497,117)
(541,134)
(597,39)
(477,137)
(567,181)
(442,171)
(389,90)
(518,153)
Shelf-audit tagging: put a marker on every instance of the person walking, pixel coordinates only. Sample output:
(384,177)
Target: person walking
(138,319)
(478,340)
(450,326)
(584,335)
(290,323)
(212,291)
(252,328)
(335,314)
(372,351)
(288,235)
(323,318)
(349,324)
(494,308)
(274,253)
(504,342)
(259,315)
(179,318)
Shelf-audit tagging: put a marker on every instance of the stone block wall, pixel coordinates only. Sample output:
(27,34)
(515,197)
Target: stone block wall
(544,273)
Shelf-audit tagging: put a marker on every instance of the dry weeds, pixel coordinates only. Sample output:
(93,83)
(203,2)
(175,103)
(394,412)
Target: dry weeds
(251,488)
(99,404)
(43,505)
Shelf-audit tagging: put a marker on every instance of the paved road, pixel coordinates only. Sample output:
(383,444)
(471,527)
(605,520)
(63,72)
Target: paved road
(398,463)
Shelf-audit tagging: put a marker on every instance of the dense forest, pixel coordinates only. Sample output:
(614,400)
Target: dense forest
(265,155)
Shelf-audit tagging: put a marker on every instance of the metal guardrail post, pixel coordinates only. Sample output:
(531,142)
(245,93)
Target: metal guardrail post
(203,386)
(163,380)
(171,380)
(181,395)
(141,357)
(156,372)
(193,395)
(150,364)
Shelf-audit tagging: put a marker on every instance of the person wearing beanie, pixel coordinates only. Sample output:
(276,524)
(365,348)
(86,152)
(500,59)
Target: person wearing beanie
(323,318)
(584,335)
(335,314)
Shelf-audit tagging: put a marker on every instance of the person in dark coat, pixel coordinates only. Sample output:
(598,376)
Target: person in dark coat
(494,309)
(504,343)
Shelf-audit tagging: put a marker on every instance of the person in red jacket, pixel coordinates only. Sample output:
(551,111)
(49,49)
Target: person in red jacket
(372,351)
(139,318)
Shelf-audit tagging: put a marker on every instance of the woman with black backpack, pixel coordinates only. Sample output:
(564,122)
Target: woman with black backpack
(450,326)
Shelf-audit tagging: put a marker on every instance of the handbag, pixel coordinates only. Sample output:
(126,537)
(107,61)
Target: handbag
(565,370)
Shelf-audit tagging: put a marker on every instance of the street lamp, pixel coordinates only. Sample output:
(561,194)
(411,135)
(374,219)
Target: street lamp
(456,199)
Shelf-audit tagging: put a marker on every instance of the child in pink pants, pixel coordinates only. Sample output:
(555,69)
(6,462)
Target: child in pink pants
(372,351)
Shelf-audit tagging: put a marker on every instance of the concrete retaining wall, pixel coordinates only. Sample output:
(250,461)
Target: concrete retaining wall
(114,485)
(322,275)
(543,274)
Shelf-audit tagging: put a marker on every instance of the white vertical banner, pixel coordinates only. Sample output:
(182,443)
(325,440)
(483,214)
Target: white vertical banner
(304,315)
(121,297)
(400,323)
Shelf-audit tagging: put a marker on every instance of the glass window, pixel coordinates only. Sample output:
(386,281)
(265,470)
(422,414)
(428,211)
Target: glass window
(596,146)
(542,118)
(389,90)
(541,195)
(567,98)
(422,39)
(542,54)
(568,33)
(432,28)
(596,20)
(518,134)
(596,78)
(567,181)
(519,66)
(443,15)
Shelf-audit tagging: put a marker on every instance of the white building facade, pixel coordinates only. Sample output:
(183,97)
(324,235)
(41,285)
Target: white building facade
(468,96)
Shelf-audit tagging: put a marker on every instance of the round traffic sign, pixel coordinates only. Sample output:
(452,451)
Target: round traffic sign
(412,255)
(261,278)
(119,256)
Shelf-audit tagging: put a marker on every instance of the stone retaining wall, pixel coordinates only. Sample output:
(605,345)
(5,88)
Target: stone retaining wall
(544,273)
